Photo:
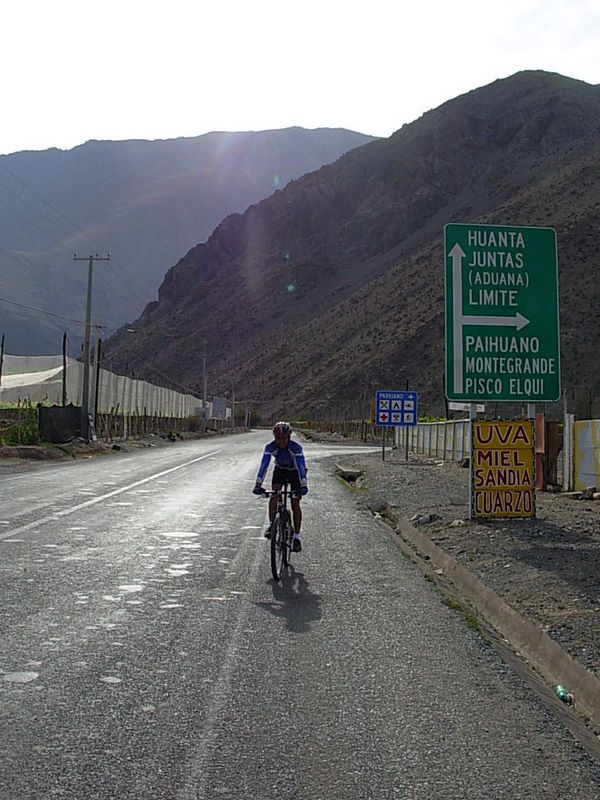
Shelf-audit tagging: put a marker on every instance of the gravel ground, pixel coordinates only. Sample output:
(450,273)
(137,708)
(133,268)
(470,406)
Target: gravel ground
(547,568)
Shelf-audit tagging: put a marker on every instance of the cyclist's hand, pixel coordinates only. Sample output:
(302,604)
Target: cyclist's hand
(304,490)
(258,489)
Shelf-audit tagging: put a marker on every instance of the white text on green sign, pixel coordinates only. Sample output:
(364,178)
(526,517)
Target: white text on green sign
(502,337)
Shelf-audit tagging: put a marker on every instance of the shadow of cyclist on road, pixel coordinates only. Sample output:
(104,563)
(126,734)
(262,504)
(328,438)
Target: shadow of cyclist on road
(293,600)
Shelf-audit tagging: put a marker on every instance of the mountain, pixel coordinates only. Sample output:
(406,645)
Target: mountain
(334,286)
(144,202)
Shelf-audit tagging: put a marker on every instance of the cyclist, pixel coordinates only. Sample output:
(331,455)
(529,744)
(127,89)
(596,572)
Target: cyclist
(290,467)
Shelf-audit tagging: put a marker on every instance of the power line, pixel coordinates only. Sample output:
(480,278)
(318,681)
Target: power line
(42,280)
(50,314)
(106,329)
(140,359)
(73,225)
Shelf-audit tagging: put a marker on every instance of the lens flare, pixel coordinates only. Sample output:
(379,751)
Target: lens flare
(291,288)
(275,181)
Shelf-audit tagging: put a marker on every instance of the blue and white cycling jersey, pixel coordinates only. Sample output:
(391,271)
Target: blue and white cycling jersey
(290,457)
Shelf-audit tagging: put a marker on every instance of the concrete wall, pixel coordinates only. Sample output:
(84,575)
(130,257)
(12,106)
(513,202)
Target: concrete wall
(450,440)
(586,453)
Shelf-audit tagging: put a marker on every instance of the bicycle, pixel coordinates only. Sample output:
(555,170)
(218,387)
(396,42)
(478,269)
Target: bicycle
(282,531)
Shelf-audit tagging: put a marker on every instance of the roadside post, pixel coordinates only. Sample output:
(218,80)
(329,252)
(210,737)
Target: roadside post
(395,409)
(502,345)
(406,435)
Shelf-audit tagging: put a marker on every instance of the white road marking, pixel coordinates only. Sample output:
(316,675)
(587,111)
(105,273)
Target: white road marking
(201,755)
(100,498)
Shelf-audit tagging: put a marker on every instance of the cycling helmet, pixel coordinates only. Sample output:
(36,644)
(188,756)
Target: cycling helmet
(282,429)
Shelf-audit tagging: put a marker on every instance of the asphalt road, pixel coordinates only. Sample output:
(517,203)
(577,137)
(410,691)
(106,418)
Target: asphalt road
(146,653)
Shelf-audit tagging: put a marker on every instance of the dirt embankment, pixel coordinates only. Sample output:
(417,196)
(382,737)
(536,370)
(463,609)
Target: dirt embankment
(13,455)
(546,568)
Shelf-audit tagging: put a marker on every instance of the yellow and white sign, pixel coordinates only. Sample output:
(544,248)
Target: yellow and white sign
(503,469)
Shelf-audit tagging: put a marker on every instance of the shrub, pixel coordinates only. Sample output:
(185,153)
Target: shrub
(195,423)
(26,430)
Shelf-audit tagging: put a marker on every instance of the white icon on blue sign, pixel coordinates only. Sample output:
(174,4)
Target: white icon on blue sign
(396,408)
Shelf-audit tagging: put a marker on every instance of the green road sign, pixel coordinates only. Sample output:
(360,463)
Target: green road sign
(502,336)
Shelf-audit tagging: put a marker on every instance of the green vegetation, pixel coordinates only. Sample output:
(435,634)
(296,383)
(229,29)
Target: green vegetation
(24,430)
(22,404)
(452,604)
(470,620)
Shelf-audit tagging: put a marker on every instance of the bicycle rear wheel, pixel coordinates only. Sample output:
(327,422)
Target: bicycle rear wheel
(278,554)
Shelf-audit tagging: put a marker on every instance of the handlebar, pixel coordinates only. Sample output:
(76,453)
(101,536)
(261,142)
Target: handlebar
(264,493)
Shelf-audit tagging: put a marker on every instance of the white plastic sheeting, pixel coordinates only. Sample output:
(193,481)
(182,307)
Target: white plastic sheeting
(40,379)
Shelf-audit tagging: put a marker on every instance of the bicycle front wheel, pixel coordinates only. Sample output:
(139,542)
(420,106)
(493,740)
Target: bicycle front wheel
(286,544)
(278,554)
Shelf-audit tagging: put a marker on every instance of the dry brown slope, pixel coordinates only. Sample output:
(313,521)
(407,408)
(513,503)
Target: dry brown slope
(335,285)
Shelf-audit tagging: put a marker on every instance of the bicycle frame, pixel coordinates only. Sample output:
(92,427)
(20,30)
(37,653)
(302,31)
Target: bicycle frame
(282,500)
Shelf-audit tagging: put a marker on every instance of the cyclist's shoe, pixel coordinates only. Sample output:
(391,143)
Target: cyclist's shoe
(268,533)
(296,545)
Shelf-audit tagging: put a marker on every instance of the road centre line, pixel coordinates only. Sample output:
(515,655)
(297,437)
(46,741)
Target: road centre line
(53,517)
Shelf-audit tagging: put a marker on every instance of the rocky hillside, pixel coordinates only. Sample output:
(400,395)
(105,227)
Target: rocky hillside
(333,286)
(144,202)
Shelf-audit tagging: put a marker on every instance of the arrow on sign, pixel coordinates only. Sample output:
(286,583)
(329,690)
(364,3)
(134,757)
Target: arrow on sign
(459,319)
(457,254)
(518,321)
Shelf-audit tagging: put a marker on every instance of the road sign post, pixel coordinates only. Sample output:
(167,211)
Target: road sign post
(502,333)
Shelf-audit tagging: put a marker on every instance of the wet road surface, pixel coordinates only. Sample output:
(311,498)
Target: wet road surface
(147,653)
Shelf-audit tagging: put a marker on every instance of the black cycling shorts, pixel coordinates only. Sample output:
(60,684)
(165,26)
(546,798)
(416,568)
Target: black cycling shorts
(282,476)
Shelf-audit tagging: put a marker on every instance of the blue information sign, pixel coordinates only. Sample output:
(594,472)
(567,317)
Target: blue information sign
(395,408)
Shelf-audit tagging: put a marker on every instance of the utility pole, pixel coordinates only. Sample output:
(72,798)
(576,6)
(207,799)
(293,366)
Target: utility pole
(86,352)
(64,380)
(204,398)
(232,406)
(1,362)
(1,357)
(94,361)
(97,383)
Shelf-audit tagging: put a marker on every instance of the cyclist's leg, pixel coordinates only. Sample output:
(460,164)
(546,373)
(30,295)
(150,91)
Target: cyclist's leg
(273,502)
(294,481)
(276,483)
(296,510)
(297,515)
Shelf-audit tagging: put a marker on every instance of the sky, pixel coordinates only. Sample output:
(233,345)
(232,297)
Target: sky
(75,70)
